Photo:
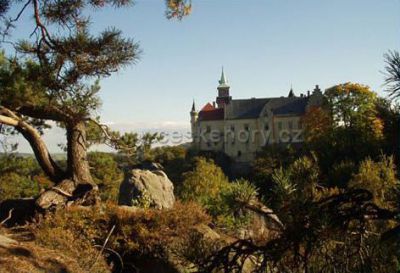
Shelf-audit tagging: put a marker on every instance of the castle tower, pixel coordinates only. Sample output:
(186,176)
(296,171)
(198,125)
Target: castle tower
(193,120)
(223,91)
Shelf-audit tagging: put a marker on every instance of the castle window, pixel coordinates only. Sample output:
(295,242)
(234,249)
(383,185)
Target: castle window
(266,127)
(246,127)
(232,128)
(208,144)
(208,129)
(239,153)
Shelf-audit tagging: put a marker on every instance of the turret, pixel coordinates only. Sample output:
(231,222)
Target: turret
(223,91)
(291,93)
(193,120)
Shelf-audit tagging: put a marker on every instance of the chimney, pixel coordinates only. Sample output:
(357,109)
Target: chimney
(214,104)
(308,93)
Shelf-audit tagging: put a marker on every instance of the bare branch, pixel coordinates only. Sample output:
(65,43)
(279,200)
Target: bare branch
(102,249)
(8,217)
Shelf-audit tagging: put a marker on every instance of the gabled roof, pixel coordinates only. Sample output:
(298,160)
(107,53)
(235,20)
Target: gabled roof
(209,112)
(207,107)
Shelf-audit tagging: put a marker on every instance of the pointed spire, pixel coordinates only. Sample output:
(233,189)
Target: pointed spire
(223,82)
(291,93)
(223,79)
(193,107)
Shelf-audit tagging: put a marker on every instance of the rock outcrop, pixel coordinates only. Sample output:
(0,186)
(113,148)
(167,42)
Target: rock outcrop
(152,185)
(264,223)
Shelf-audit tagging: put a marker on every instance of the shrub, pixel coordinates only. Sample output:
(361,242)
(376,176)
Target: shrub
(380,179)
(223,200)
(20,177)
(341,173)
(137,231)
(106,174)
(203,183)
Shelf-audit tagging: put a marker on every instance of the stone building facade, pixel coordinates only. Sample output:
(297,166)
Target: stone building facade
(242,127)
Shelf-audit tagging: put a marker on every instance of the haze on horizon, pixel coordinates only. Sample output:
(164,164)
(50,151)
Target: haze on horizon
(264,46)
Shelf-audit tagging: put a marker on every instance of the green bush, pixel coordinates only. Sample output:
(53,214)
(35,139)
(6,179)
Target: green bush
(20,177)
(204,183)
(207,185)
(380,179)
(106,174)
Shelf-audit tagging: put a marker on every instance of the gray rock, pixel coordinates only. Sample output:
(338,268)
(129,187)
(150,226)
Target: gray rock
(264,223)
(153,185)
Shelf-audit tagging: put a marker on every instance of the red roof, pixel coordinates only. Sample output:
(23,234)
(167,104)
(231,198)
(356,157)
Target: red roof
(208,107)
(209,112)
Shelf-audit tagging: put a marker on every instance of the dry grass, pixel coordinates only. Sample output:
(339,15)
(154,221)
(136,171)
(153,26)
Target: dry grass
(64,241)
(28,257)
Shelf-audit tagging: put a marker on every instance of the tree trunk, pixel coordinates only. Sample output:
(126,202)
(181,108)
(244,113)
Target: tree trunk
(78,166)
(46,162)
(73,185)
(51,169)
(79,188)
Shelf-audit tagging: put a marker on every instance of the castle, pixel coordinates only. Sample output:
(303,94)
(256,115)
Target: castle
(242,127)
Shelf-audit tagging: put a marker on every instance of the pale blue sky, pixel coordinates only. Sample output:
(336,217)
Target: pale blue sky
(264,45)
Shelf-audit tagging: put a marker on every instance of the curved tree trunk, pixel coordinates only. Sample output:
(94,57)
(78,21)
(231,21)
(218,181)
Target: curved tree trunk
(46,162)
(50,168)
(73,185)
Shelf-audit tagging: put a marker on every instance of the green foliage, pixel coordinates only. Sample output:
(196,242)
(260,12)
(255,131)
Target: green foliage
(242,191)
(358,125)
(305,173)
(283,189)
(326,226)
(389,113)
(203,183)
(341,173)
(298,182)
(353,106)
(392,80)
(227,209)
(142,201)
(20,177)
(14,186)
(175,161)
(267,162)
(380,179)
(106,174)
(207,185)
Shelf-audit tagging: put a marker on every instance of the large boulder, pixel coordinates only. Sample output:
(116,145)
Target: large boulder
(151,185)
